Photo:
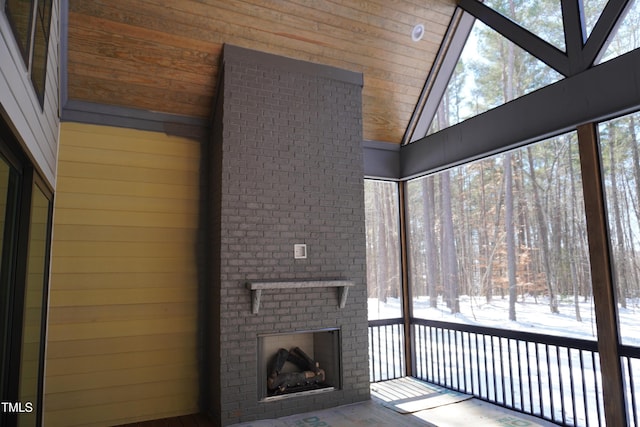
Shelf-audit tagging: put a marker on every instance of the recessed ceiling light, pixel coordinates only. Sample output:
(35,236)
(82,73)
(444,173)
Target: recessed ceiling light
(417,32)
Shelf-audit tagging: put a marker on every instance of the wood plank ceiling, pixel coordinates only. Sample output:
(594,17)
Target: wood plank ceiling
(163,55)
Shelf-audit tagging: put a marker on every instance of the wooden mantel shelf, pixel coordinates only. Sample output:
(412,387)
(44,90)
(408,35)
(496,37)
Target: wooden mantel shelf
(257,287)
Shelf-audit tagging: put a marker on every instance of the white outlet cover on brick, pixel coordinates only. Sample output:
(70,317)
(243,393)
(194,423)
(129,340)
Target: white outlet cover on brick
(300,251)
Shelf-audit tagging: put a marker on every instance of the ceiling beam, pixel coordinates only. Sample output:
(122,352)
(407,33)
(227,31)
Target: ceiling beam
(600,93)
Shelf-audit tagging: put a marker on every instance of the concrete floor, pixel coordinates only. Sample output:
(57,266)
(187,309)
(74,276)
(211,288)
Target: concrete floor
(407,402)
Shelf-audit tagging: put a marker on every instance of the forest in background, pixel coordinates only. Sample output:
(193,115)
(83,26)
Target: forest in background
(511,226)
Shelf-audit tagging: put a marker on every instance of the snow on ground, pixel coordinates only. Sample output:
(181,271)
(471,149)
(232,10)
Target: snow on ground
(580,403)
(531,315)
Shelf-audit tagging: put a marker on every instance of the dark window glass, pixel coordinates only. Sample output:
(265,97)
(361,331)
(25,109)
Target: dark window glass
(31,28)
(8,226)
(20,14)
(34,308)
(40,47)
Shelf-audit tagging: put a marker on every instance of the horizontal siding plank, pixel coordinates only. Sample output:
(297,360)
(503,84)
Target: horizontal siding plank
(99,297)
(139,264)
(110,202)
(132,419)
(127,218)
(128,173)
(82,331)
(114,362)
(122,139)
(107,313)
(125,188)
(123,158)
(101,346)
(121,377)
(120,280)
(139,409)
(123,249)
(74,232)
(96,397)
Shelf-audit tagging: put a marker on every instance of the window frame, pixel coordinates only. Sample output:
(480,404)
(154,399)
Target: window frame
(35,26)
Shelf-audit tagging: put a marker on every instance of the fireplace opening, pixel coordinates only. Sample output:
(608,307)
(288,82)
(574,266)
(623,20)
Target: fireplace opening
(298,363)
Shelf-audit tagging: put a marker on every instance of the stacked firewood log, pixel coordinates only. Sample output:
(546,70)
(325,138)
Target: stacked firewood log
(310,373)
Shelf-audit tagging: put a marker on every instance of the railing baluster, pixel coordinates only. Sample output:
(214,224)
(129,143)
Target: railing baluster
(584,389)
(486,368)
(457,365)
(572,388)
(501,361)
(562,407)
(520,379)
(380,355)
(372,355)
(393,349)
(401,347)
(421,357)
(550,382)
(438,363)
(445,342)
(433,339)
(493,370)
(453,364)
(455,356)
(468,367)
(478,365)
(526,346)
(595,381)
(539,376)
(631,396)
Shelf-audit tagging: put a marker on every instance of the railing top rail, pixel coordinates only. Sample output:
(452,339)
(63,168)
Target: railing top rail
(386,322)
(569,342)
(630,351)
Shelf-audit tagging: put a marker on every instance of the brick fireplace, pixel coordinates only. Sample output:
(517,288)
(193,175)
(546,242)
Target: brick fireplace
(287,208)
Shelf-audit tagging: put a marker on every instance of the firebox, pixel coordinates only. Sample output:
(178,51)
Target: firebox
(298,363)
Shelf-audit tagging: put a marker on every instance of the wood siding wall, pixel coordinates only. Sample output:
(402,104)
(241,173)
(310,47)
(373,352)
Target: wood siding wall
(122,339)
(36,127)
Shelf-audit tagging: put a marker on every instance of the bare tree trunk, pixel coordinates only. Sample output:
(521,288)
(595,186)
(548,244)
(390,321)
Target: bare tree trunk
(428,201)
(621,264)
(492,246)
(390,214)
(381,261)
(449,259)
(484,239)
(542,228)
